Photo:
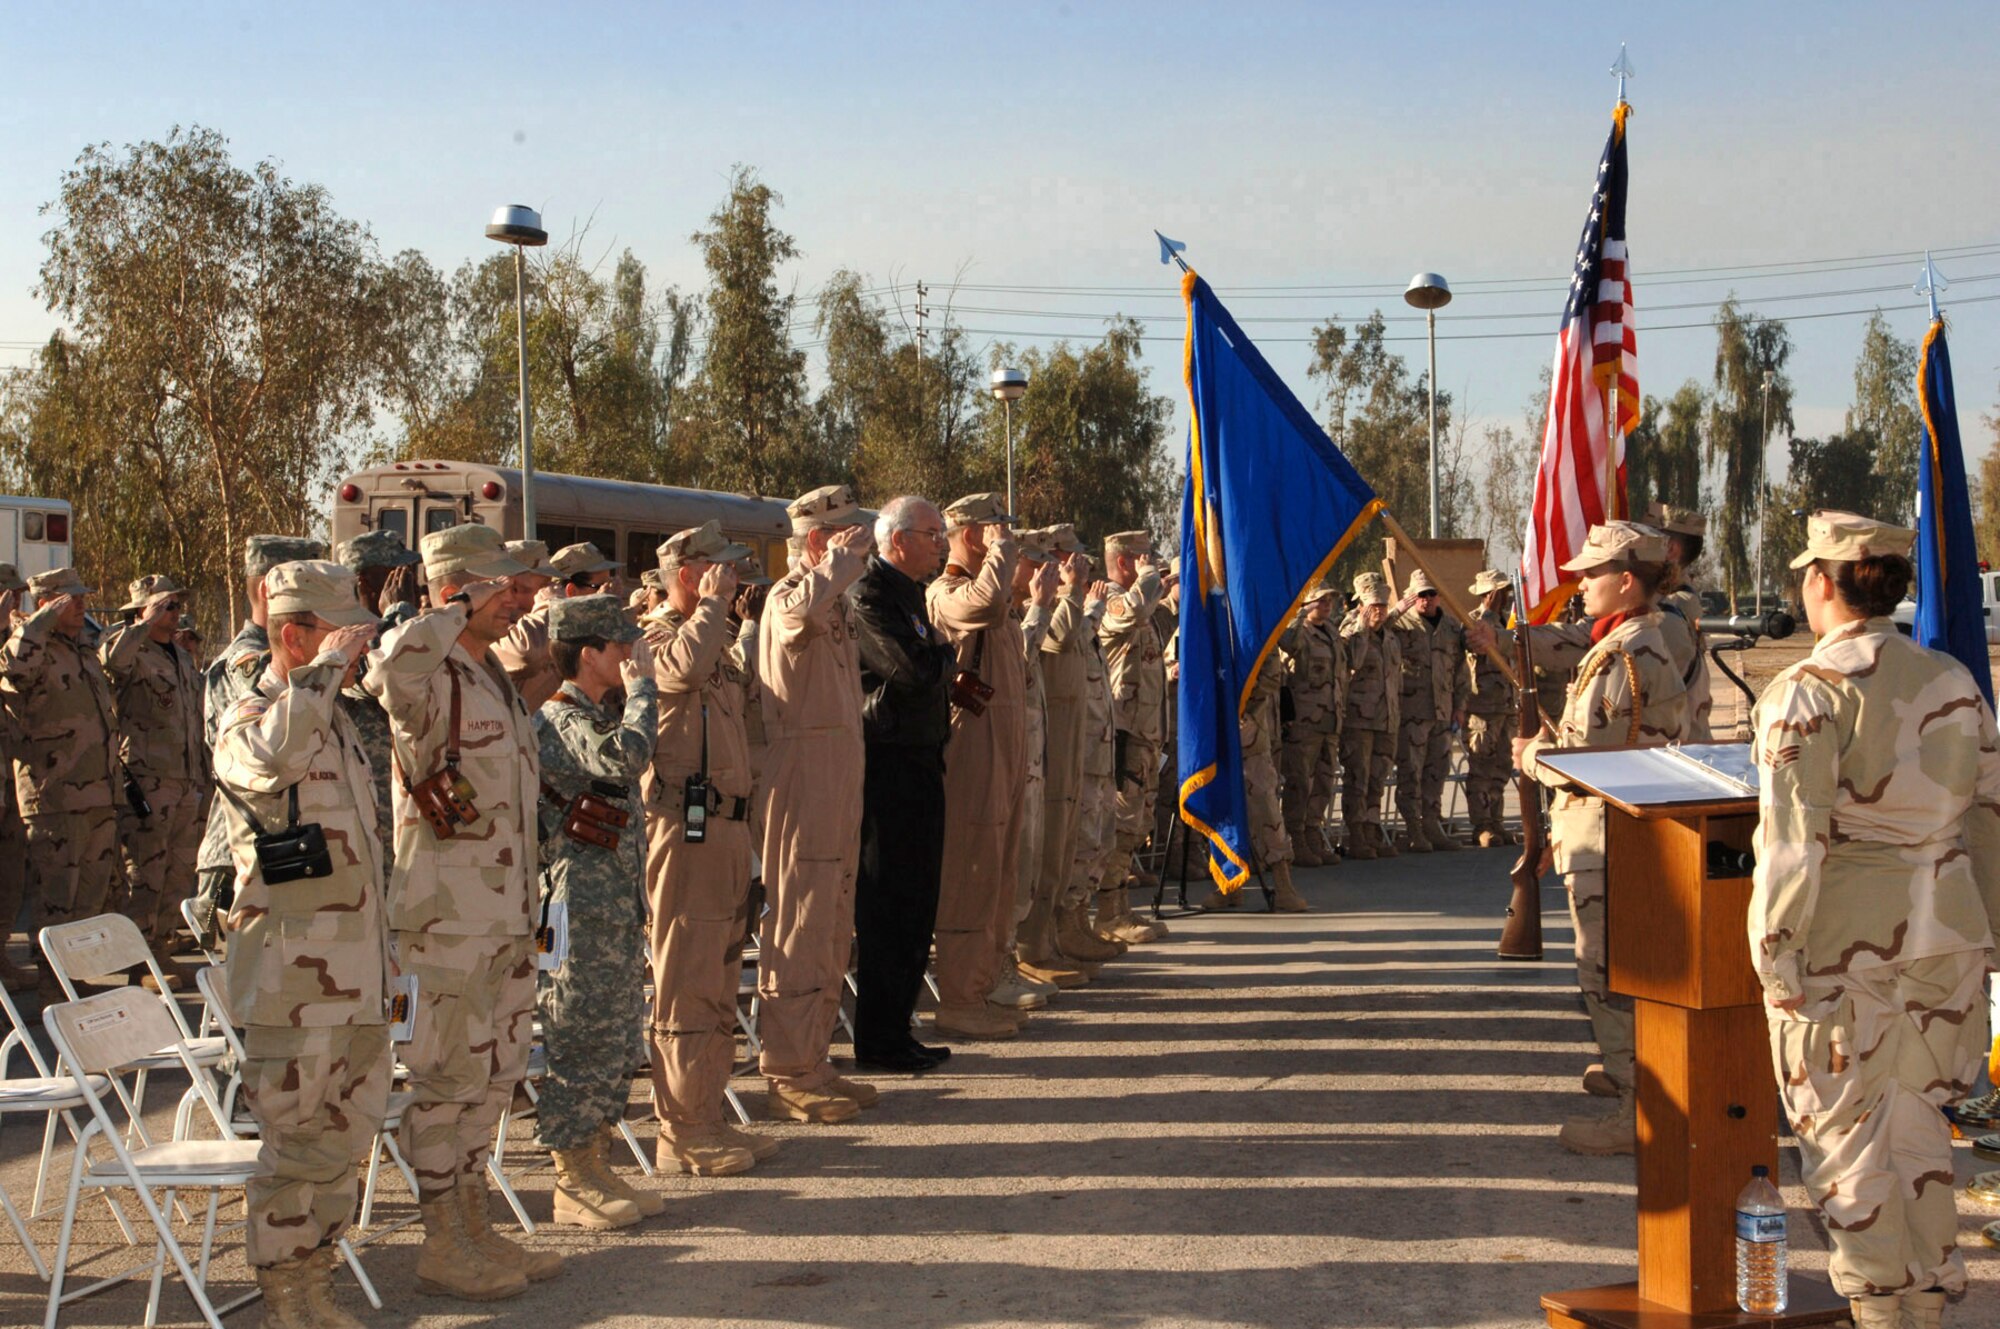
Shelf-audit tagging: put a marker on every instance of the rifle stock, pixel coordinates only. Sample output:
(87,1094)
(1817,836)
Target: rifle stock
(1521,937)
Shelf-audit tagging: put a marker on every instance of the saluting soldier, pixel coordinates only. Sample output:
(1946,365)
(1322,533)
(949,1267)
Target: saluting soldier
(1035,602)
(1681,605)
(16,888)
(810,670)
(308,961)
(1871,917)
(1491,716)
(1315,676)
(1627,692)
(385,572)
(1059,663)
(462,895)
(66,767)
(593,750)
(1135,660)
(1434,695)
(579,569)
(1369,718)
(698,889)
(156,691)
(1257,730)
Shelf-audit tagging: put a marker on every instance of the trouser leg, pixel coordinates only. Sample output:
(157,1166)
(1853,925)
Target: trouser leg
(318,1096)
(1610,1012)
(896,891)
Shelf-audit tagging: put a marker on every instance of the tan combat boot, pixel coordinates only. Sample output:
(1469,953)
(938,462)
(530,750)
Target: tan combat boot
(495,1250)
(702,1153)
(1055,971)
(449,1265)
(975,1022)
(318,1278)
(1218,899)
(1412,840)
(1075,939)
(1304,852)
(1923,1310)
(1285,898)
(582,1201)
(821,1106)
(1616,1132)
(650,1204)
(1010,991)
(284,1289)
(761,1146)
(1035,939)
(1438,836)
(1359,844)
(1383,845)
(1876,1312)
(1127,914)
(864,1094)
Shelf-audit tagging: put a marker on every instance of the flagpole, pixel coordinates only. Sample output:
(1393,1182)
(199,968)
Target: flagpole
(1622,70)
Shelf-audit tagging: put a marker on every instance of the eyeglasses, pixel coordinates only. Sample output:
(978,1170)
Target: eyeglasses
(1427,595)
(929,533)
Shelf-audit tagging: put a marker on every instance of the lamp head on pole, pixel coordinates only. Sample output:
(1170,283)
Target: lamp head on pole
(1427,291)
(517,224)
(1010,384)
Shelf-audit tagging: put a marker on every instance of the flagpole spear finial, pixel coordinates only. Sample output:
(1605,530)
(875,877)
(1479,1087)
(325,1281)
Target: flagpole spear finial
(1929,282)
(1623,69)
(1170,251)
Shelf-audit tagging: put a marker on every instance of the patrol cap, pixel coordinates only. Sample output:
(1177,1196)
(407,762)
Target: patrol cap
(1489,580)
(327,591)
(187,625)
(377,549)
(1675,520)
(471,548)
(1371,588)
(1036,546)
(699,544)
(976,510)
(1845,537)
(651,580)
(148,586)
(581,617)
(57,581)
(535,554)
(1419,581)
(1620,542)
(11,578)
(829,505)
(580,560)
(1128,542)
(261,553)
(1316,594)
(1066,539)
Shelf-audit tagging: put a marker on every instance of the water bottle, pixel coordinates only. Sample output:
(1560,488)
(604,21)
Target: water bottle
(1760,1246)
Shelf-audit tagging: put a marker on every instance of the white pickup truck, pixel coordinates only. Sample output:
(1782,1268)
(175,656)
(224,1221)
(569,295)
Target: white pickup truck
(1989,591)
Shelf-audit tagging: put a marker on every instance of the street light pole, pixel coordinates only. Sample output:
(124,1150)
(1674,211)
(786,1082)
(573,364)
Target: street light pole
(1763,485)
(1430,293)
(521,226)
(1009,385)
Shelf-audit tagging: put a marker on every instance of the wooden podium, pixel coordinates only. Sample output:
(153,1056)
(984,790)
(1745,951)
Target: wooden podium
(1708,1100)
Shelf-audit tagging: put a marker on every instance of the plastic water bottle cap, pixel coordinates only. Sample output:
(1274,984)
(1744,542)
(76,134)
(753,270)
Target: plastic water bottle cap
(1760,1171)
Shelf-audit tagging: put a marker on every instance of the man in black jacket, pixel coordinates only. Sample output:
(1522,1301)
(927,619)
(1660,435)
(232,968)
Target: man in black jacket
(906,678)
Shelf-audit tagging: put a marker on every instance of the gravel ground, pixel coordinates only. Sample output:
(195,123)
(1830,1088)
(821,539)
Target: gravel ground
(1341,1119)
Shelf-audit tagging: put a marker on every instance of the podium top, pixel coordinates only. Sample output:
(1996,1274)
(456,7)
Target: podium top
(1678,780)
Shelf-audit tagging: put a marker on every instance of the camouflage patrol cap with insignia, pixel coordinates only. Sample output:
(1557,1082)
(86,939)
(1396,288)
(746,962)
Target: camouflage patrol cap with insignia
(327,591)
(587,617)
(148,586)
(580,560)
(1847,537)
(533,553)
(700,544)
(1489,580)
(1618,542)
(1675,520)
(1134,543)
(377,549)
(57,581)
(1036,546)
(11,578)
(984,509)
(1371,588)
(261,553)
(1067,541)
(829,505)
(468,549)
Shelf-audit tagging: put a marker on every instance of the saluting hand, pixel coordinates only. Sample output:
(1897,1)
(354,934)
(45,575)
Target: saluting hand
(719,579)
(400,586)
(640,665)
(853,537)
(1043,585)
(476,594)
(1098,593)
(750,601)
(1072,571)
(349,643)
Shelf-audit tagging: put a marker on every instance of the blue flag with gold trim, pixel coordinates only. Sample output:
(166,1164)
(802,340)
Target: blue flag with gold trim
(1269,505)
(1951,615)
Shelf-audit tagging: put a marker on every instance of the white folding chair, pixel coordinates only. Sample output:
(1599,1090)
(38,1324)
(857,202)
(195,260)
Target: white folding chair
(107,1036)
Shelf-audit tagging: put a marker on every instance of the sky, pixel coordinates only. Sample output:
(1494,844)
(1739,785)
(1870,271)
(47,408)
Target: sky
(1801,154)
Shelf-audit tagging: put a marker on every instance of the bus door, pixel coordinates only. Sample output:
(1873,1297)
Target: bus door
(438,516)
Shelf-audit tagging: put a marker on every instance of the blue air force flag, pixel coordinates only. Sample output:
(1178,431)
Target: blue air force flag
(1270,503)
(1950,616)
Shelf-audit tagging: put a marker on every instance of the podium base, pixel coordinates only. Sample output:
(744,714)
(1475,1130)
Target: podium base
(1618,1306)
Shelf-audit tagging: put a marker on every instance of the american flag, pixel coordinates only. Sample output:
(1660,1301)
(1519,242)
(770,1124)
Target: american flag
(1596,374)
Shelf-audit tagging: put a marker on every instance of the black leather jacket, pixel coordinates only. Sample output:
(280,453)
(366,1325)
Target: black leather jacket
(906,668)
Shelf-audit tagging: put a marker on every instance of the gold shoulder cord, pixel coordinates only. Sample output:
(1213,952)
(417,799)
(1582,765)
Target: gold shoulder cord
(1596,664)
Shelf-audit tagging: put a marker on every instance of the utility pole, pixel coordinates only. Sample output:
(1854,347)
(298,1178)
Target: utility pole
(1763,484)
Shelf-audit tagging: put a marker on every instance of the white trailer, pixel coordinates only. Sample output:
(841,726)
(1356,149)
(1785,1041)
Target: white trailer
(34,533)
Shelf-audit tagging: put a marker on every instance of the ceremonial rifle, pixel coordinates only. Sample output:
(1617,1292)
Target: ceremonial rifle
(1521,937)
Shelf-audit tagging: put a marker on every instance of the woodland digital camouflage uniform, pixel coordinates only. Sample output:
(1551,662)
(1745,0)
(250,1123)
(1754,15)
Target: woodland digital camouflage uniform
(1316,676)
(593,1001)
(1877,881)
(157,693)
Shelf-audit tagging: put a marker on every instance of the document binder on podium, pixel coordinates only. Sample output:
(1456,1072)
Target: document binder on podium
(1678,944)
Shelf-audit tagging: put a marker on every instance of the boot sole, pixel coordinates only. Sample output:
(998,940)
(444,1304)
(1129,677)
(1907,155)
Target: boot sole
(430,1289)
(593,1223)
(814,1118)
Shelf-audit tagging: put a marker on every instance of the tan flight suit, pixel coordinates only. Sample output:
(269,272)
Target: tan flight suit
(1096,803)
(810,670)
(696,893)
(308,960)
(1369,722)
(1257,728)
(1316,674)
(1137,674)
(524,654)
(1034,819)
(1876,888)
(66,772)
(1492,713)
(1065,650)
(157,693)
(1602,711)
(985,764)
(1680,624)
(461,908)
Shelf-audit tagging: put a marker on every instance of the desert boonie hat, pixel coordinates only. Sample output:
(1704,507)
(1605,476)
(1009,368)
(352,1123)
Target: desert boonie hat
(148,586)
(1489,580)
(1371,588)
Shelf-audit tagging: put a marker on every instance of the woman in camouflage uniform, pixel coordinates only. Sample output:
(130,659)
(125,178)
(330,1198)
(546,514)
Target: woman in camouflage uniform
(1878,874)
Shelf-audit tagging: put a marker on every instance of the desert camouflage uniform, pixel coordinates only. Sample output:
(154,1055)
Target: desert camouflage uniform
(65,767)
(592,1001)
(462,908)
(1492,712)
(1257,728)
(1061,667)
(157,694)
(1096,797)
(1369,722)
(1315,661)
(308,960)
(1877,880)
(1034,821)
(1602,711)
(1433,688)
(15,892)
(524,654)
(1137,675)
(1680,623)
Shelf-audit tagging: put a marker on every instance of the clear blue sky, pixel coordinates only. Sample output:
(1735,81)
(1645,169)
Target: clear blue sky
(1031,144)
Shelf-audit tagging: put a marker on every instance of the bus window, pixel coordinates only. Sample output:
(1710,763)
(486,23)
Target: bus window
(555,536)
(32,527)
(777,558)
(438,518)
(603,537)
(395,519)
(642,551)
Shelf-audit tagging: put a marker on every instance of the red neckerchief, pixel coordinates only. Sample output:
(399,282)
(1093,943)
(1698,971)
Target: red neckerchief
(1603,627)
